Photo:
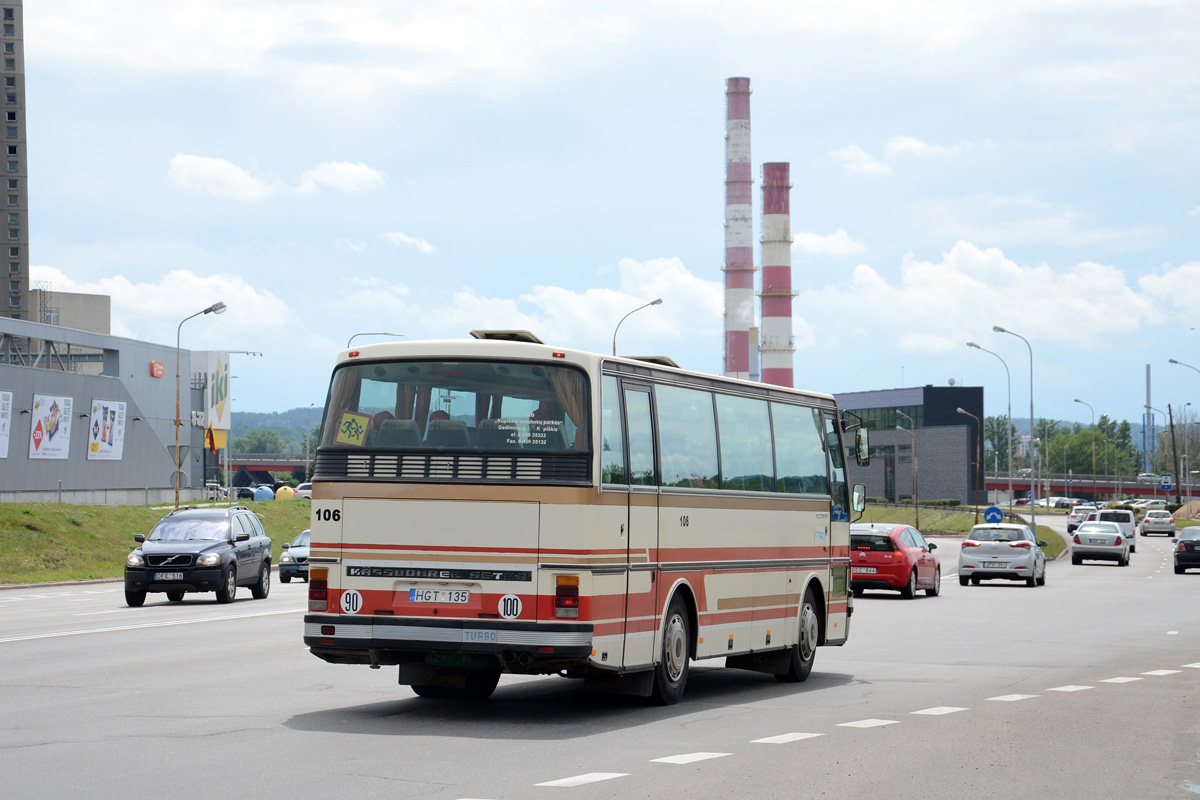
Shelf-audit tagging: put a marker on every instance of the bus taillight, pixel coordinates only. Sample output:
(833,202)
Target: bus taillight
(566,596)
(318,588)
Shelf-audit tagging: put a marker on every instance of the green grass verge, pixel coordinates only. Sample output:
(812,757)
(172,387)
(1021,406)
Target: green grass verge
(42,542)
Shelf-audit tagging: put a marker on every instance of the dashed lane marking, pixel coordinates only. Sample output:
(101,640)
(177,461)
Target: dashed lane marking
(580,780)
(1192,666)
(164,624)
(868,723)
(688,758)
(785,738)
(1158,672)
(937,711)
(1070,688)
(1120,680)
(1013,698)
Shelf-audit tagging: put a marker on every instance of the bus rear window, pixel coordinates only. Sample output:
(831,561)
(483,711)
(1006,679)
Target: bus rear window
(476,405)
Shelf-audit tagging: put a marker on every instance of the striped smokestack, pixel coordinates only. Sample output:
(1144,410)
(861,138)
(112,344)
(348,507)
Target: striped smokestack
(739,229)
(777,343)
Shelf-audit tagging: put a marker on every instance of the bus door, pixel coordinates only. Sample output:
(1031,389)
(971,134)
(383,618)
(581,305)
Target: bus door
(641,611)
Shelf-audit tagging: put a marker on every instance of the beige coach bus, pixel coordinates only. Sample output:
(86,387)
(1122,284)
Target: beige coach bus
(498,505)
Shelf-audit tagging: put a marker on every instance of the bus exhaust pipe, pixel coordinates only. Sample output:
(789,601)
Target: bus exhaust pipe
(510,657)
(524,659)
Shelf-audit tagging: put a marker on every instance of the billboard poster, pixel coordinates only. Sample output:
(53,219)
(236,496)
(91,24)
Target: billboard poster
(50,430)
(216,393)
(106,437)
(5,421)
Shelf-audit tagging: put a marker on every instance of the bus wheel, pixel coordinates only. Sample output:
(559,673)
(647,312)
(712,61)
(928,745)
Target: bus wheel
(804,652)
(671,673)
(481,683)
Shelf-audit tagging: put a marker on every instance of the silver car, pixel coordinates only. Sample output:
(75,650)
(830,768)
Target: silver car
(1121,517)
(1004,551)
(1100,541)
(1158,522)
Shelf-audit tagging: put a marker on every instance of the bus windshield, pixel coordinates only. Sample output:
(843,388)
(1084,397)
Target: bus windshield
(477,405)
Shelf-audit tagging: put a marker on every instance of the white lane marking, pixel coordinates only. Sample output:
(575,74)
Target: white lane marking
(868,723)
(1070,688)
(785,738)
(1172,633)
(110,611)
(1120,680)
(1012,698)
(1192,666)
(937,711)
(580,780)
(688,758)
(117,628)
(1161,672)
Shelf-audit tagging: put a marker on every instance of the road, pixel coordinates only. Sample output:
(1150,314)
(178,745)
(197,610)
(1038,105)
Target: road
(1088,687)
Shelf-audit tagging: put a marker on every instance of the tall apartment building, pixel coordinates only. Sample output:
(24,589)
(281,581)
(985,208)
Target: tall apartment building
(19,304)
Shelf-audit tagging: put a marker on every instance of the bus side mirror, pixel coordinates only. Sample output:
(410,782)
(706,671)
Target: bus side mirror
(862,447)
(859,499)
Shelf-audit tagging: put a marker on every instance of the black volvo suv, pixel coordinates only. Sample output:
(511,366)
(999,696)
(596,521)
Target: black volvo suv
(200,550)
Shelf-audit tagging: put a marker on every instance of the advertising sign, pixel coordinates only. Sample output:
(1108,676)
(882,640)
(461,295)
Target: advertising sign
(216,393)
(5,421)
(50,429)
(106,437)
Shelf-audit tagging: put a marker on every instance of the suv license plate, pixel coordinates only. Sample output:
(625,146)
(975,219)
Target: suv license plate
(168,576)
(863,570)
(439,596)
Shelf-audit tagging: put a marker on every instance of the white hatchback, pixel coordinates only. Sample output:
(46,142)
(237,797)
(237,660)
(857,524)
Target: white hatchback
(1005,551)
(1100,541)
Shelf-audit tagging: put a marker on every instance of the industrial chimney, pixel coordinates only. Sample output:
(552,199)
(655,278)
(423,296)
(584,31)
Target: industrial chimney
(777,343)
(739,229)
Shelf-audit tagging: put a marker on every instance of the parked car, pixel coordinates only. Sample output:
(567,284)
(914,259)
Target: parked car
(1004,551)
(1100,541)
(200,550)
(1077,516)
(1157,522)
(304,490)
(1187,550)
(1154,505)
(1121,517)
(1062,502)
(893,556)
(293,561)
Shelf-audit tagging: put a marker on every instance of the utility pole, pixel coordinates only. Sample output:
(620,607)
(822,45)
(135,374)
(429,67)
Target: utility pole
(1174,455)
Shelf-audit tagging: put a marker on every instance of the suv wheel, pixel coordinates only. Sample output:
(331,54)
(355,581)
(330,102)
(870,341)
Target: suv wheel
(262,586)
(225,593)
(134,597)
(175,597)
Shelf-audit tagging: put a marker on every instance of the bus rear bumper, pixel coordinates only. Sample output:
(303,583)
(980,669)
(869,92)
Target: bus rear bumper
(377,641)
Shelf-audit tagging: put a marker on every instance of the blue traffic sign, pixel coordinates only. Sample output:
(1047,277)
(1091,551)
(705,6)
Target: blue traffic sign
(993,514)
(1166,482)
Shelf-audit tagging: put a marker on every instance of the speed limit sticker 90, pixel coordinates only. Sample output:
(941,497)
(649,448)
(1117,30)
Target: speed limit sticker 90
(510,606)
(351,602)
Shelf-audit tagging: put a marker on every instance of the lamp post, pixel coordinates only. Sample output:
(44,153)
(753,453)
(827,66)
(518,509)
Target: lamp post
(978,454)
(639,308)
(215,308)
(916,484)
(1094,493)
(371,333)
(1008,431)
(307,418)
(1066,471)
(1032,477)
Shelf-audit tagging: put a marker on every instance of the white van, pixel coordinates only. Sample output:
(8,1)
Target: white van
(1121,517)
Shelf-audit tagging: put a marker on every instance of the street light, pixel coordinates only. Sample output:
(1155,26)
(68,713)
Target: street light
(978,454)
(1094,494)
(215,308)
(371,333)
(1008,432)
(639,308)
(307,418)
(916,484)
(1033,475)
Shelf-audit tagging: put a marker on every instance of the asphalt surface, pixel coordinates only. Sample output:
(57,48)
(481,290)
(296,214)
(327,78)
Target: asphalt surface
(1088,687)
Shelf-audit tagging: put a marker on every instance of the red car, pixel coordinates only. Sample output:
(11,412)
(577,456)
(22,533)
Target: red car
(885,555)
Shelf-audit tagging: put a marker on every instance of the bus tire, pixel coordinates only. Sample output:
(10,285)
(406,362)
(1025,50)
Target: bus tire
(804,652)
(671,672)
(481,683)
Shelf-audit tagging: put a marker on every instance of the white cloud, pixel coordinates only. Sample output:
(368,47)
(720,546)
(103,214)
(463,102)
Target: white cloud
(341,175)
(353,247)
(854,159)
(219,178)
(415,242)
(908,145)
(838,243)
(1194,212)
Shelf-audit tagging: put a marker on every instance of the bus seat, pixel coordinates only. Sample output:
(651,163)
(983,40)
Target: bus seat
(447,433)
(491,435)
(398,433)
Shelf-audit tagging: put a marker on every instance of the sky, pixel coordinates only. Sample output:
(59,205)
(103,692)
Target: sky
(428,168)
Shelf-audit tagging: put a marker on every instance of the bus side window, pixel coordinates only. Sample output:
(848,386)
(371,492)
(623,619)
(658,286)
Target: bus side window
(612,450)
(799,450)
(641,437)
(840,511)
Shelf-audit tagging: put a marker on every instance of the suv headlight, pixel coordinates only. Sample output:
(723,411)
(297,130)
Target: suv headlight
(285,559)
(208,560)
(134,559)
